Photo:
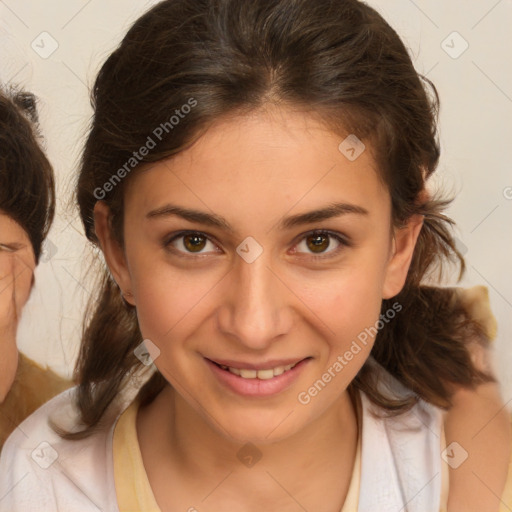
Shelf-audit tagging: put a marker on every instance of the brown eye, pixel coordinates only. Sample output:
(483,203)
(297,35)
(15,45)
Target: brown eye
(191,243)
(317,243)
(194,242)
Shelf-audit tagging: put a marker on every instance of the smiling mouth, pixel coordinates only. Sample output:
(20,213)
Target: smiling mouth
(247,373)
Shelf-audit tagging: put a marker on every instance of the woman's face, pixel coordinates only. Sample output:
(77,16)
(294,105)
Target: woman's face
(17,263)
(249,289)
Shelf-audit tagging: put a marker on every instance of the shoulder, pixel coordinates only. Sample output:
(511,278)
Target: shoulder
(41,471)
(32,387)
(42,381)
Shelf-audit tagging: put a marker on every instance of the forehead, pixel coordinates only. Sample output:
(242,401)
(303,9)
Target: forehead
(268,160)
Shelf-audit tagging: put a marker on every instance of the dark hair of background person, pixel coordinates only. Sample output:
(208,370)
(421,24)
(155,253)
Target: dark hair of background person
(27,187)
(338,60)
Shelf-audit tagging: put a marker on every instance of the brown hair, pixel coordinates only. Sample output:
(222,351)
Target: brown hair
(337,59)
(27,188)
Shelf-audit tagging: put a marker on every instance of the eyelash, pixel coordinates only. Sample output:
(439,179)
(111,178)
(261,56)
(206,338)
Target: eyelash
(342,240)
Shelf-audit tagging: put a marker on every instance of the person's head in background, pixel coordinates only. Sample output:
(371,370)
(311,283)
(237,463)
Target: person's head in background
(197,105)
(27,206)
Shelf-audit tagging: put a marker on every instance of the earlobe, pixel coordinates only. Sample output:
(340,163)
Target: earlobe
(112,251)
(404,242)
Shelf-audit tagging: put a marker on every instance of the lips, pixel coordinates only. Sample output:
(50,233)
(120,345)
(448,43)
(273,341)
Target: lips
(264,365)
(263,374)
(257,379)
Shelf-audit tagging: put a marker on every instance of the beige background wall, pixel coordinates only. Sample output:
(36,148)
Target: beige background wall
(55,48)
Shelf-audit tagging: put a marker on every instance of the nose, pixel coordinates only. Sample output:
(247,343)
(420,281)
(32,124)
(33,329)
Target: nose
(257,306)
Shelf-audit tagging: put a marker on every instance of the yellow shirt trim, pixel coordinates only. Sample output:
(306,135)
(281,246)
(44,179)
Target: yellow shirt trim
(133,490)
(506,497)
(352,499)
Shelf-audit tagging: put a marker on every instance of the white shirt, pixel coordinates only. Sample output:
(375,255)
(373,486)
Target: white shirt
(39,471)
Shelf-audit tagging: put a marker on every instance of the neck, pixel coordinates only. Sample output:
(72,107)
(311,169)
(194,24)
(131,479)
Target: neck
(322,453)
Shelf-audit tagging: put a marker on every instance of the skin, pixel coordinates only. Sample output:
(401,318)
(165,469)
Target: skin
(17,264)
(480,423)
(253,171)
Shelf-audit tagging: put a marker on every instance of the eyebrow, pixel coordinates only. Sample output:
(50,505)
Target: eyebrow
(329,212)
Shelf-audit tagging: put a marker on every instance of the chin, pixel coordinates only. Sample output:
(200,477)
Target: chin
(258,428)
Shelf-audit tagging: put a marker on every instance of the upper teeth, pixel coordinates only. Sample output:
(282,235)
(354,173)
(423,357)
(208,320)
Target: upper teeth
(260,374)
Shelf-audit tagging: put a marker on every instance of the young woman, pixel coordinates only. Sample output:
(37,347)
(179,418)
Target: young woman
(256,177)
(27,205)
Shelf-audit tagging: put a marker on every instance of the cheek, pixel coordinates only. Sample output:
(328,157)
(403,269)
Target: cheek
(352,316)
(167,296)
(351,296)
(348,303)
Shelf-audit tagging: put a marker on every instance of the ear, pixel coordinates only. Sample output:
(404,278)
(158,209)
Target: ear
(112,250)
(402,249)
